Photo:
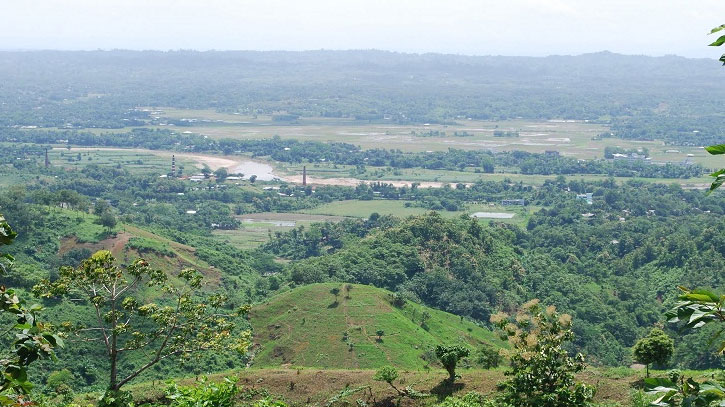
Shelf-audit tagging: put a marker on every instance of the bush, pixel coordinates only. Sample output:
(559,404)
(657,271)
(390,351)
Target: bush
(207,393)
(59,378)
(488,357)
(116,398)
(386,374)
(143,245)
(449,357)
(542,372)
(397,300)
(471,399)
(639,398)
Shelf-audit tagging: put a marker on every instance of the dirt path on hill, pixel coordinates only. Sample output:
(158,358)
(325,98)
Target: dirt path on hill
(115,244)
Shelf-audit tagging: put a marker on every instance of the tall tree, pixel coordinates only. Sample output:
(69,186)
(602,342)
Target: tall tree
(183,322)
(108,221)
(221,174)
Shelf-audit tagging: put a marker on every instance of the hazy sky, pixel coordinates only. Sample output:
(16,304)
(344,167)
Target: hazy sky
(480,27)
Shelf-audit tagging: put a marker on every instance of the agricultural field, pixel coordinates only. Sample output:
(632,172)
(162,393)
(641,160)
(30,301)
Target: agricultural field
(325,173)
(136,161)
(157,161)
(573,138)
(363,209)
(257,228)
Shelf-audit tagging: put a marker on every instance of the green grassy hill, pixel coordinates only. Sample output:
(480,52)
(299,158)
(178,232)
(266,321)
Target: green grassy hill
(307,326)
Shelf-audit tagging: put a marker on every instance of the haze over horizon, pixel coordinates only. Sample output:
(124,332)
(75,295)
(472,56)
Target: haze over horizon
(470,27)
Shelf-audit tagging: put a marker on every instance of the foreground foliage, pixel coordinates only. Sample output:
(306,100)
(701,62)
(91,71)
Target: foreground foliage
(33,339)
(695,309)
(182,322)
(205,394)
(541,370)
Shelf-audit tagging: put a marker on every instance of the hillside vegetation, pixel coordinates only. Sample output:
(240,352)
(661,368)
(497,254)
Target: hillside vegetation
(310,326)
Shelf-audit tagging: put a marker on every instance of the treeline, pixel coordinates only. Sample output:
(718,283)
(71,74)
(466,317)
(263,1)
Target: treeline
(294,151)
(696,131)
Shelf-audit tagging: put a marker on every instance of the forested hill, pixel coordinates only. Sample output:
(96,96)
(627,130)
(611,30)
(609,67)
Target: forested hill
(615,265)
(99,89)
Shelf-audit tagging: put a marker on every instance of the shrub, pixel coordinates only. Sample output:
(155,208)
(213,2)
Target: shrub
(386,374)
(116,398)
(471,399)
(59,378)
(488,357)
(397,300)
(542,372)
(207,393)
(449,355)
(674,375)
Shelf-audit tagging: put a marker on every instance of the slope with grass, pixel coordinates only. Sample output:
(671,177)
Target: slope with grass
(311,326)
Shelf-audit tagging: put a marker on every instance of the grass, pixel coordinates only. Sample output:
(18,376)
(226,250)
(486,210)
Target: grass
(249,235)
(256,228)
(133,160)
(312,386)
(128,242)
(308,327)
(363,209)
(322,170)
(86,230)
(572,138)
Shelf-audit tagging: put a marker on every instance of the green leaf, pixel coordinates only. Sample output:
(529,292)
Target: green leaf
(716,184)
(716,149)
(718,42)
(698,297)
(712,296)
(654,382)
(716,29)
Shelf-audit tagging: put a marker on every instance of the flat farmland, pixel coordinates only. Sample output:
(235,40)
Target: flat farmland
(256,228)
(157,161)
(363,209)
(336,174)
(574,138)
(137,161)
